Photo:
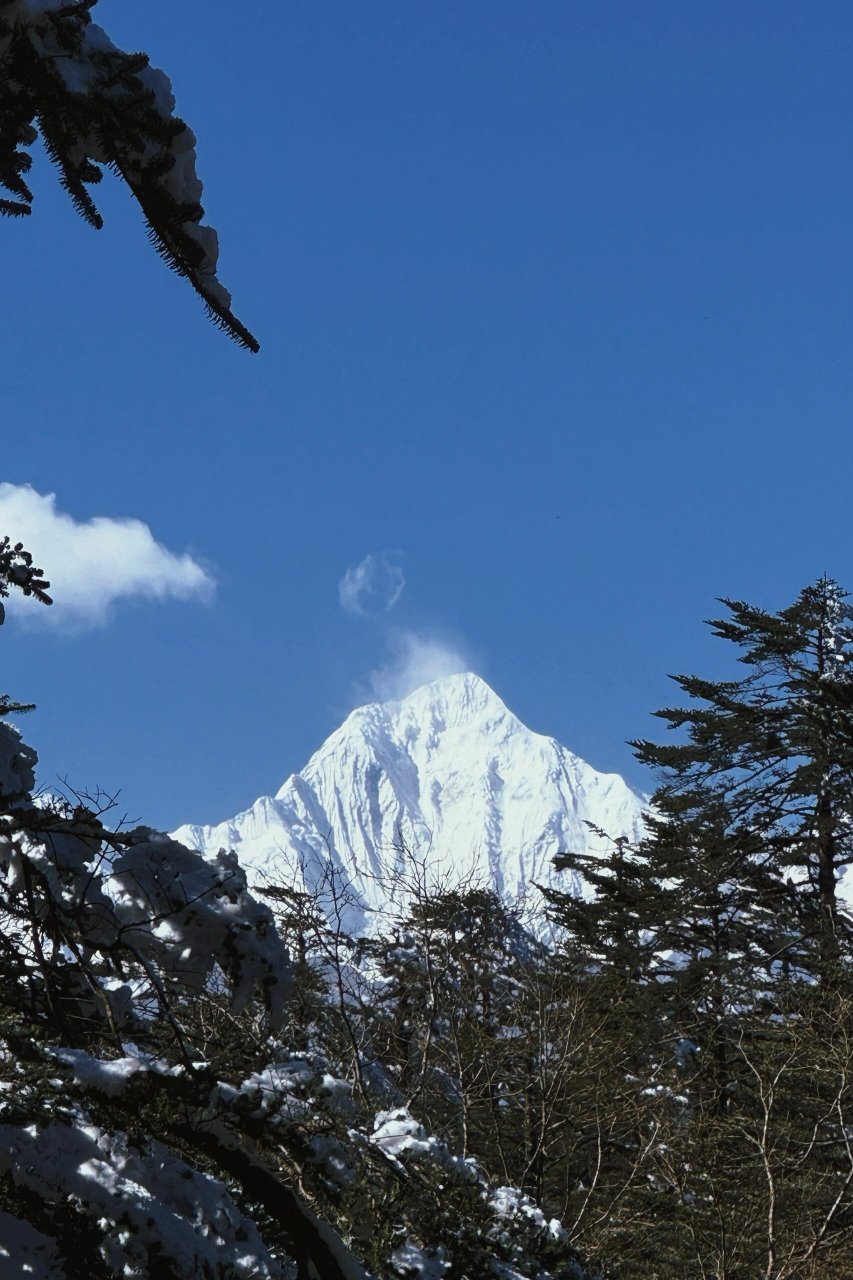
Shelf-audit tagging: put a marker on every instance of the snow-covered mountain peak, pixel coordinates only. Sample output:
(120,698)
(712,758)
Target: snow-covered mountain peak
(455,710)
(455,699)
(447,776)
(452,702)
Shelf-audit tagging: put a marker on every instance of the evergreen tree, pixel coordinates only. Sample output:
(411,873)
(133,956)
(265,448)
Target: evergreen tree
(732,893)
(721,941)
(610,928)
(767,764)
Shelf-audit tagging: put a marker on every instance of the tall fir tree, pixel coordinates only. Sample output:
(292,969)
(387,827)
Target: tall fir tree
(722,940)
(767,762)
(732,895)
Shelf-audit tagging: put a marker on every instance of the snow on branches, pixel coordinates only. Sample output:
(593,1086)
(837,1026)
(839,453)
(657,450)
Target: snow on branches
(107,939)
(156,1208)
(95,105)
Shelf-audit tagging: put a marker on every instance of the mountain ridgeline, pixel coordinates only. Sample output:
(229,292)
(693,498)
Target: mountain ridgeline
(447,782)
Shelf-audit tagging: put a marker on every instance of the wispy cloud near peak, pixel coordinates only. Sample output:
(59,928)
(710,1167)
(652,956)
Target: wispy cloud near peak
(374,585)
(415,659)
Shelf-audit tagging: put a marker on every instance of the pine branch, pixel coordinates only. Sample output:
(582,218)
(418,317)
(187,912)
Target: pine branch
(94,104)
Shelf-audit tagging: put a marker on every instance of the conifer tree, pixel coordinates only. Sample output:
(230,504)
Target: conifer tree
(609,930)
(732,893)
(724,946)
(767,764)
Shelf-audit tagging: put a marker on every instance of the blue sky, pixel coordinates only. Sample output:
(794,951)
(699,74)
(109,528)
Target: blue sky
(556,309)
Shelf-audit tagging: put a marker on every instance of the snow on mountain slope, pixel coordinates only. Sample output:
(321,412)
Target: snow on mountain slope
(448,772)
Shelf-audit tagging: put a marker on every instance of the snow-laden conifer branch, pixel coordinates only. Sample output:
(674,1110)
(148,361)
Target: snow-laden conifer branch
(96,105)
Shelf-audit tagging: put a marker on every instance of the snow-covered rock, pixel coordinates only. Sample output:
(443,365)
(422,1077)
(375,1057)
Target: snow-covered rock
(450,773)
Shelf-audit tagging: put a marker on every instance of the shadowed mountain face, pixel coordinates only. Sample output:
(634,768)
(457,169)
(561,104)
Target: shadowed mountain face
(448,784)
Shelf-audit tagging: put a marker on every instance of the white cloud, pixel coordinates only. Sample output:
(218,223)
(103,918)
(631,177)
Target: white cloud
(92,564)
(414,660)
(374,585)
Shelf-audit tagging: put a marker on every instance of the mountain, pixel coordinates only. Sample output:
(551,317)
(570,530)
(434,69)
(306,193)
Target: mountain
(448,772)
